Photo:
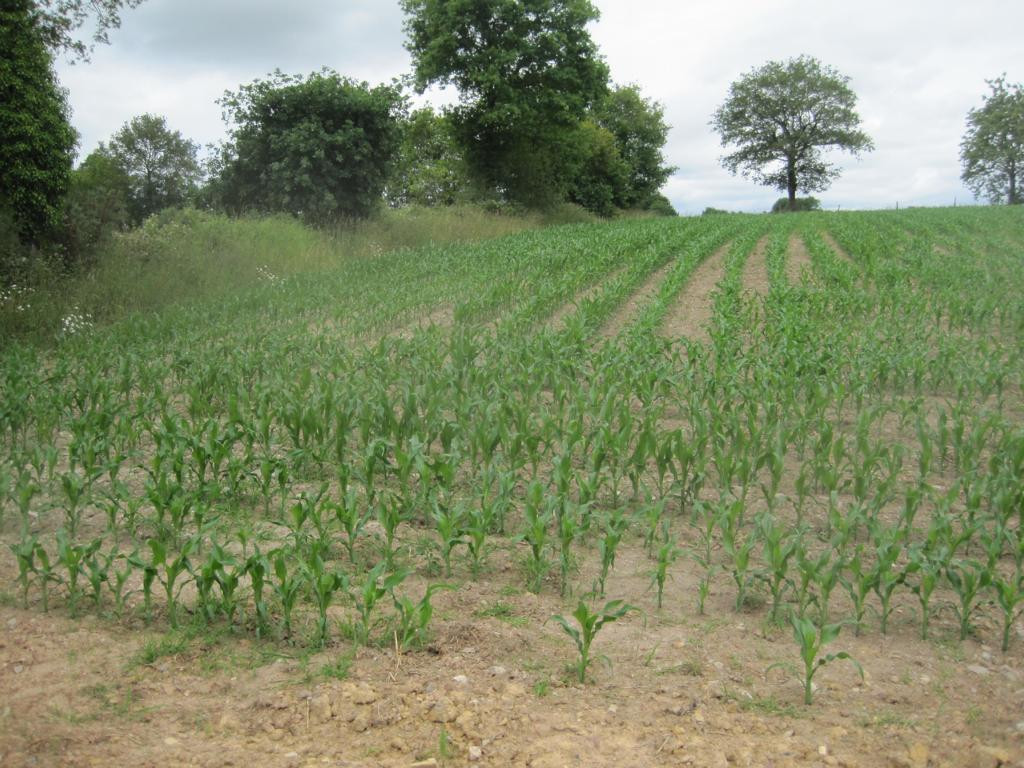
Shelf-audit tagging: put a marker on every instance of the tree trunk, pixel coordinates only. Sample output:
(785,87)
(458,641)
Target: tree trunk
(1013,197)
(791,182)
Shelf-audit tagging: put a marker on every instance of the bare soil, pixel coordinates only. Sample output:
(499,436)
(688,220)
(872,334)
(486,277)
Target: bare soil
(755,272)
(798,258)
(557,319)
(693,309)
(492,688)
(627,312)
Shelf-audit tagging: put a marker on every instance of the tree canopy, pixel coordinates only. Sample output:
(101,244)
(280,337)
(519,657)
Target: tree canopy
(162,167)
(527,73)
(36,140)
(318,147)
(992,150)
(781,117)
(638,126)
(60,21)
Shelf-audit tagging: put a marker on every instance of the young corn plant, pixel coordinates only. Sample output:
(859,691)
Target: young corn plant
(352,517)
(812,640)
(666,555)
(449,522)
(737,550)
(323,584)
(588,624)
(414,618)
(777,549)
(1010,596)
(613,528)
(365,596)
(537,515)
(73,557)
(968,578)
(169,570)
(287,587)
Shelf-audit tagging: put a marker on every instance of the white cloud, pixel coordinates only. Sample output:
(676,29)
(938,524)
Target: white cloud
(916,65)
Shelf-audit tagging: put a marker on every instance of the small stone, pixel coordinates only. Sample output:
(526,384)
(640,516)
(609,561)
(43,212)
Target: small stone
(498,671)
(475,753)
(918,753)
(18,669)
(998,755)
(228,722)
(170,741)
(431,763)
(823,750)
(460,679)
(514,691)
(612,708)
(1020,727)
(320,709)
(977,669)
(442,712)
(715,689)
(12,623)
(364,694)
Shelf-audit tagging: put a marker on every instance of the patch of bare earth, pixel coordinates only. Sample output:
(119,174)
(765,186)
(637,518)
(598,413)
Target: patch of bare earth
(755,272)
(678,689)
(440,317)
(627,312)
(557,319)
(692,311)
(798,258)
(835,246)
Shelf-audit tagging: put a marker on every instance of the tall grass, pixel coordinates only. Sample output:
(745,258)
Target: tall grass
(186,255)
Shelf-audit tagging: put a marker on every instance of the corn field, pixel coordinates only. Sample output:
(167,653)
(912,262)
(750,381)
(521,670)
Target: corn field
(840,435)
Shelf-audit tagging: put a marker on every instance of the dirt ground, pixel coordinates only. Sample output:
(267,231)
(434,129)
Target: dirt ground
(492,688)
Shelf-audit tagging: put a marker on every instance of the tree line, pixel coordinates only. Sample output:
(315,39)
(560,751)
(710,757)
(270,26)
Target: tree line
(538,122)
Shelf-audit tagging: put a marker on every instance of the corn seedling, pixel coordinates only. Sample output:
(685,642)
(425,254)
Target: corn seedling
(413,618)
(588,624)
(812,640)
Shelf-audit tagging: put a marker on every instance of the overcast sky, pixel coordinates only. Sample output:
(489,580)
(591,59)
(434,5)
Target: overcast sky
(917,66)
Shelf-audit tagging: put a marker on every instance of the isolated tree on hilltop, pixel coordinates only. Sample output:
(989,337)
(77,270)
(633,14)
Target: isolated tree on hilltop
(992,151)
(781,117)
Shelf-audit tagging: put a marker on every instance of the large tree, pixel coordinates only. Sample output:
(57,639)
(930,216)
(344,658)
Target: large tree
(161,165)
(429,167)
(527,72)
(992,151)
(36,140)
(781,117)
(318,147)
(60,21)
(638,125)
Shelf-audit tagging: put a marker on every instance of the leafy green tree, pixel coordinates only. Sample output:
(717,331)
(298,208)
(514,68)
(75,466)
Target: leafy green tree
(992,150)
(318,147)
(781,117)
(429,168)
(161,165)
(36,140)
(602,176)
(95,207)
(638,125)
(527,73)
(60,20)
